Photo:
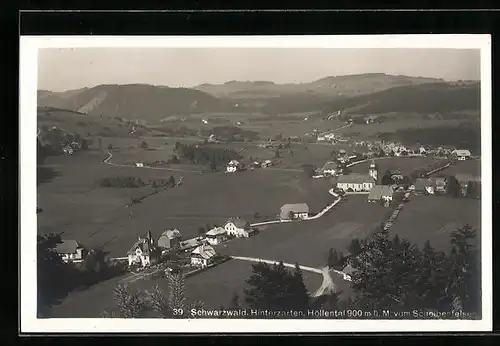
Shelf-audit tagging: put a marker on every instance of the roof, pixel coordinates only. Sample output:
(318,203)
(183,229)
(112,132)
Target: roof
(237,221)
(251,230)
(462,152)
(233,162)
(355,178)
(216,231)
(379,191)
(67,246)
(204,251)
(422,183)
(171,234)
(141,244)
(296,208)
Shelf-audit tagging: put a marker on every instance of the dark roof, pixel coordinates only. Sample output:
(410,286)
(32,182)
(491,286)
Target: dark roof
(67,246)
(379,191)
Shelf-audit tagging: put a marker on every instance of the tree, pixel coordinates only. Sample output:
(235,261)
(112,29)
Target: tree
(130,302)
(355,247)
(176,299)
(157,301)
(171,181)
(274,287)
(333,258)
(235,301)
(144,145)
(277,154)
(95,261)
(473,189)
(386,178)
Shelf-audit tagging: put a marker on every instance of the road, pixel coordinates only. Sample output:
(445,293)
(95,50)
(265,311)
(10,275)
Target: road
(327,280)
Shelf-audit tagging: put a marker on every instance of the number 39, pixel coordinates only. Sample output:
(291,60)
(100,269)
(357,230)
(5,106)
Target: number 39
(178,312)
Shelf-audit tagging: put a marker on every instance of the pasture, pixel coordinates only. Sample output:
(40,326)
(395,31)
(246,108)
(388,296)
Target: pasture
(434,218)
(308,242)
(75,204)
(215,287)
(472,167)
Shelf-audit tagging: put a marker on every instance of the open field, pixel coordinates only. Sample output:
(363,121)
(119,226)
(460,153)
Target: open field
(75,204)
(434,217)
(215,287)
(405,164)
(308,242)
(472,167)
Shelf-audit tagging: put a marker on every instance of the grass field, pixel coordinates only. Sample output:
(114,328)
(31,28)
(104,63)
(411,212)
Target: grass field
(434,217)
(215,287)
(405,164)
(308,242)
(75,204)
(472,167)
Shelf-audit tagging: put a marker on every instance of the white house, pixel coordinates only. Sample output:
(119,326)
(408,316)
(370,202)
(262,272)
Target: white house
(461,154)
(139,164)
(294,211)
(233,166)
(203,255)
(216,235)
(144,252)
(330,168)
(321,138)
(236,227)
(70,250)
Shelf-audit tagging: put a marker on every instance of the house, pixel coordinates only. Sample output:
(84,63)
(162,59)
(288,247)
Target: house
(70,250)
(321,138)
(233,166)
(144,252)
(203,255)
(382,193)
(170,239)
(348,271)
(139,164)
(330,168)
(236,227)
(216,235)
(294,211)
(68,150)
(461,154)
(439,183)
(370,119)
(355,182)
(267,163)
(212,139)
(423,185)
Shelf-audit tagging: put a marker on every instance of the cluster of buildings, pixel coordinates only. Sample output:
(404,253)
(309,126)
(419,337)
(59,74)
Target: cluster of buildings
(236,166)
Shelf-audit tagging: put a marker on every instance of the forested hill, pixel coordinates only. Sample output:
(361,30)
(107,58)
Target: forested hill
(424,98)
(133,101)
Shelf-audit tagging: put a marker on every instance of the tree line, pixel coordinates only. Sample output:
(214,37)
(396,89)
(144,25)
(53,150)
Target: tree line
(135,182)
(214,157)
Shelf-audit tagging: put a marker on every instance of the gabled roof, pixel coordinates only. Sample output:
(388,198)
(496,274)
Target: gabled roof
(379,191)
(204,251)
(355,178)
(141,244)
(461,152)
(171,233)
(216,231)
(237,221)
(296,208)
(67,246)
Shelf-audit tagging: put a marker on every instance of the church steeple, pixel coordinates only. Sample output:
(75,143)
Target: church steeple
(373,171)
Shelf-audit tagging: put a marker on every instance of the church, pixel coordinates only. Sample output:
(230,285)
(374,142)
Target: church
(359,182)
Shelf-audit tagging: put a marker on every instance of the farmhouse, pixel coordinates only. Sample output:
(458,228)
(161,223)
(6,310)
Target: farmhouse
(70,250)
(170,239)
(143,252)
(370,119)
(294,211)
(439,183)
(216,235)
(381,193)
(461,154)
(237,227)
(422,186)
(330,168)
(233,166)
(203,255)
(139,164)
(267,163)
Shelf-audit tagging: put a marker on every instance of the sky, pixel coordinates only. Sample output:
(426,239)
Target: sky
(61,69)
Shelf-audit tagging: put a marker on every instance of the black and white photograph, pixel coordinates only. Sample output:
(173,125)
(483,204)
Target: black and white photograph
(330,183)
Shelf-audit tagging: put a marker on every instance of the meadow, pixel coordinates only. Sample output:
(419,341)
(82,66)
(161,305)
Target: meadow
(472,167)
(404,164)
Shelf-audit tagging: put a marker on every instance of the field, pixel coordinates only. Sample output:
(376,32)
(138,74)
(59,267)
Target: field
(405,164)
(215,287)
(434,217)
(472,167)
(308,242)
(75,204)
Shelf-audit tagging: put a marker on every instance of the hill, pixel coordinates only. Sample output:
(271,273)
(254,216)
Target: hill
(349,85)
(133,101)
(424,98)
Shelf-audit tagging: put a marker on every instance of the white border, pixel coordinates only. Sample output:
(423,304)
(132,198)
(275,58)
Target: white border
(29,46)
